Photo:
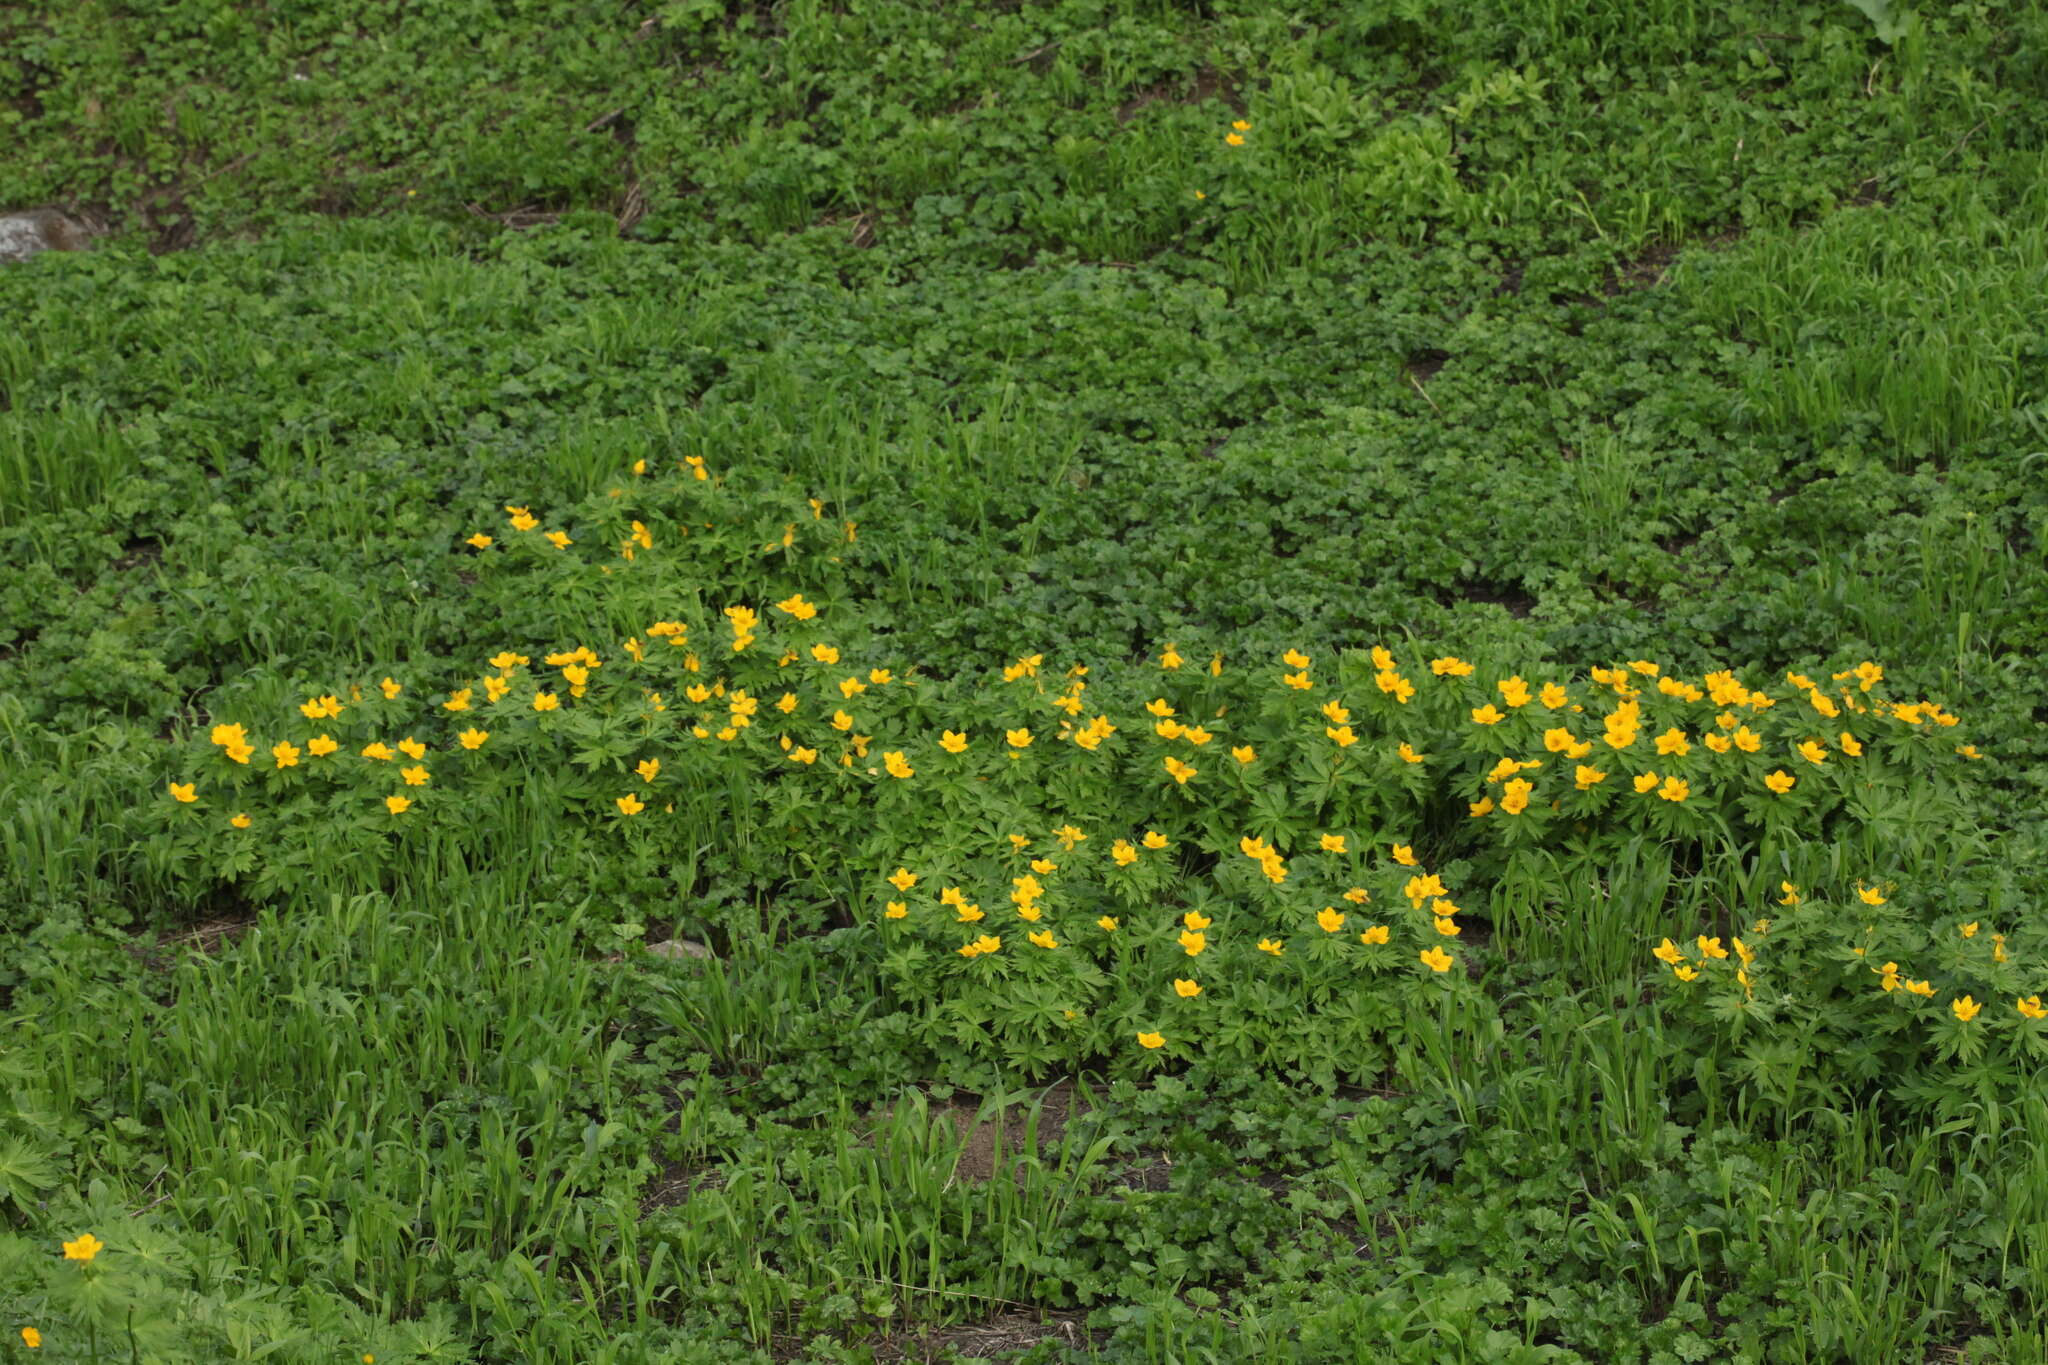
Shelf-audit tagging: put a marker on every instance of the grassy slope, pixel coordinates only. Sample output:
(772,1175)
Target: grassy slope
(1700,337)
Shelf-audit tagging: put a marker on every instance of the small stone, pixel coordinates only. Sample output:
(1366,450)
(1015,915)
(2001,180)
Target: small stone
(25,232)
(678,947)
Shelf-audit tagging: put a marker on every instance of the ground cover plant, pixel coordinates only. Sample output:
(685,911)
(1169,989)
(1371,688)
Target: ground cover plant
(874,681)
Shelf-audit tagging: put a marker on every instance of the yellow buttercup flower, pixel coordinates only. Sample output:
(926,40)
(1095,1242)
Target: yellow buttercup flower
(240,821)
(630,804)
(897,764)
(795,605)
(1107,924)
(1965,1008)
(31,1338)
(1587,778)
(1488,714)
(1193,943)
(546,701)
(286,754)
(1647,782)
(1408,754)
(953,741)
(1153,839)
(1869,895)
(1180,771)
(1043,938)
(1244,753)
(2031,1008)
(1185,989)
(1436,959)
(1780,781)
(1332,843)
(415,776)
(397,805)
(903,879)
(1674,790)
(1667,952)
(1122,853)
(1684,973)
(1514,797)
(1673,741)
(1330,919)
(1152,1040)
(1813,751)
(1170,658)
(1019,738)
(1404,854)
(83,1248)
(1270,945)
(184,792)
(1358,895)
(1378,933)
(1341,735)
(895,910)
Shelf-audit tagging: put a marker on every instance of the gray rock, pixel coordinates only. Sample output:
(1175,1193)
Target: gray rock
(678,947)
(25,232)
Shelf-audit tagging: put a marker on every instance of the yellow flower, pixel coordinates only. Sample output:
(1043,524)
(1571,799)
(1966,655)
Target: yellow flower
(1869,895)
(1969,930)
(1718,743)
(786,703)
(1378,933)
(953,741)
(1195,919)
(895,910)
(184,792)
(1300,682)
(31,1338)
(1185,989)
(1552,696)
(851,687)
(1244,753)
(1514,691)
(1170,658)
(1673,741)
(1488,714)
(1674,790)
(496,688)
(84,1248)
(1333,843)
(1295,659)
(1450,666)
(415,776)
(1515,796)
(1043,938)
(1420,889)
(412,748)
(795,606)
(648,768)
(1107,924)
(240,821)
(546,701)
(1193,943)
(1709,947)
(1270,945)
(903,879)
(1748,740)
(1480,807)
(1813,751)
(1684,973)
(1404,854)
(1068,835)
(1044,865)
(390,688)
(1122,853)
(1330,919)
(1780,781)
(1667,952)
(286,754)
(1152,1040)
(397,805)
(1153,839)
(897,764)
(1647,782)
(1849,744)
(1588,778)
(1791,896)
(2031,1008)
(968,914)
(1408,754)
(803,755)
(1436,959)
(1358,895)
(630,804)
(1019,738)
(378,750)
(1341,735)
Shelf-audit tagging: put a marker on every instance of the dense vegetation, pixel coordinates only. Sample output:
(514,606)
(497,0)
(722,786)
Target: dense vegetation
(1457,588)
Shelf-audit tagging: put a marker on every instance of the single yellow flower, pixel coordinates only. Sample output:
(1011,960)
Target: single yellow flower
(895,910)
(1244,753)
(1709,947)
(1969,930)
(1588,778)
(1270,945)
(1019,738)
(286,754)
(184,792)
(1869,895)
(1153,839)
(31,1338)
(1330,919)
(1480,807)
(1333,843)
(2031,1008)
(1341,735)
(953,741)
(1185,989)
(473,738)
(1193,943)
(1647,782)
(1780,781)
(390,687)
(897,764)
(1436,959)
(1152,1040)
(1684,973)
(1667,952)
(397,805)
(1122,853)
(1107,924)
(1180,771)
(1488,714)
(1378,933)
(795,605)
(1069,835)
(1674,790)
(1515,796)
(1043,938)
(84,1248)
(1408,754)
(1358,895)
(1791,896)
(546,701)
(415,776)
(240,821)
(1813,751)
(378,750)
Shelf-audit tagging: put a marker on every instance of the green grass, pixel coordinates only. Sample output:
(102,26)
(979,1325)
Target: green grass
(1544,335)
